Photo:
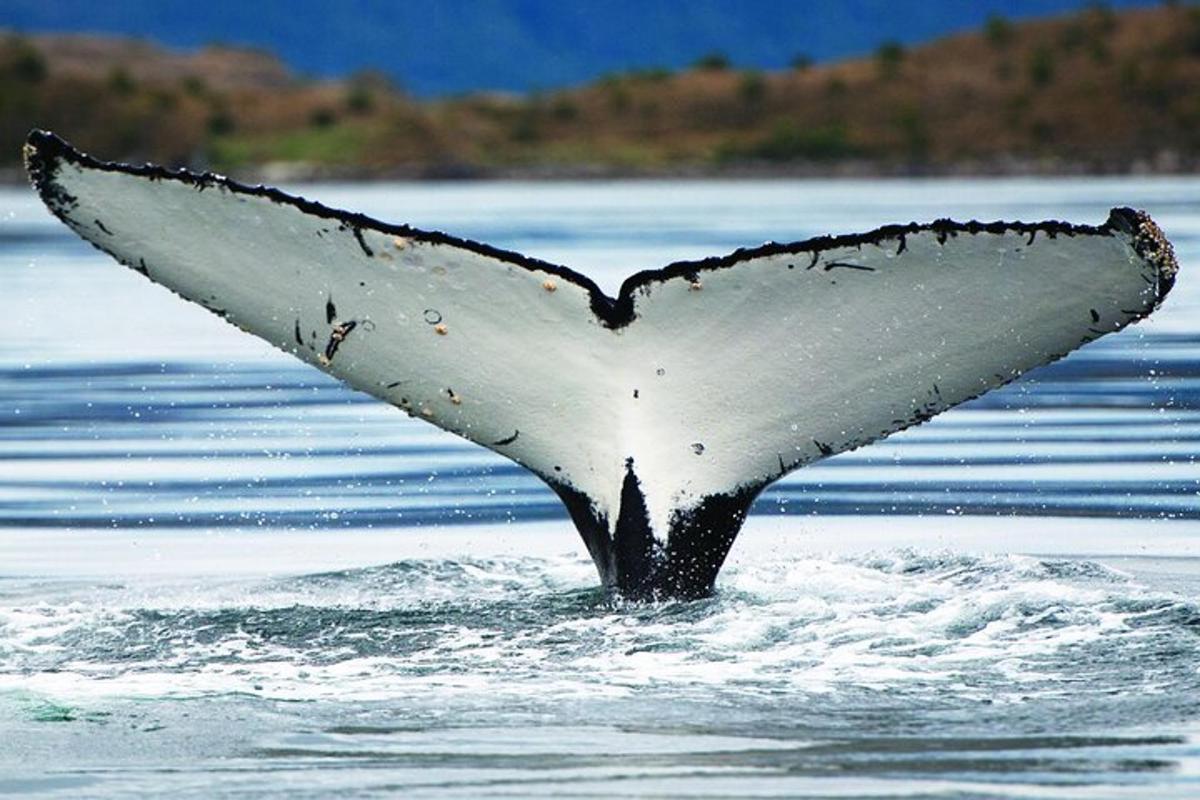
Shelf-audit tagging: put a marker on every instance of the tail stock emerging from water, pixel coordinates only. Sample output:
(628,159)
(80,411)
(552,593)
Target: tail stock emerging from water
(657,415)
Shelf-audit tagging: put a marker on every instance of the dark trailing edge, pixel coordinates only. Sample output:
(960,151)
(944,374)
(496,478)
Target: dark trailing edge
(44,150)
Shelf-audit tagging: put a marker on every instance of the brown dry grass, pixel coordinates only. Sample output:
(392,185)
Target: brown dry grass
(1096,90)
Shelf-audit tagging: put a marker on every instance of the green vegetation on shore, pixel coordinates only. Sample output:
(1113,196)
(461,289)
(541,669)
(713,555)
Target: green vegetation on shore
(1099,91)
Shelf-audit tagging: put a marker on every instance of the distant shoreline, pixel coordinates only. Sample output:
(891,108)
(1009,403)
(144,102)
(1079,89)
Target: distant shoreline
(1166,165)
(1098,92)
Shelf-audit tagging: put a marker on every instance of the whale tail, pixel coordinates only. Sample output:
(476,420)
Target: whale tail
(657,415)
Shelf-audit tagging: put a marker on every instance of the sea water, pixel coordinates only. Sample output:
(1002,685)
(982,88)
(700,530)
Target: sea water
(223,574)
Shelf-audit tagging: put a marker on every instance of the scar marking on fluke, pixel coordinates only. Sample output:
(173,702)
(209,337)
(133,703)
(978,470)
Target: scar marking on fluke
(299,336)
(336,337)
(393,384)
(220,312)
(507,439)
(903,244)
(825,449)
(846,265)
(358,234)
(1095,315)
(102,227)
(330,311)
(142,268)
(432,316)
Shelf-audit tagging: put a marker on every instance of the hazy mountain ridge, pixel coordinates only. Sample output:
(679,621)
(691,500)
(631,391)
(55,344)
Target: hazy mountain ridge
(435,47)
(1096,91)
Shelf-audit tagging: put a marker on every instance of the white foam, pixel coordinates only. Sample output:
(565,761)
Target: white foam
(995,628)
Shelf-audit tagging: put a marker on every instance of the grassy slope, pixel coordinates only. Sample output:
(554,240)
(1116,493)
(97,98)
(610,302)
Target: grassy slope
(1098,91)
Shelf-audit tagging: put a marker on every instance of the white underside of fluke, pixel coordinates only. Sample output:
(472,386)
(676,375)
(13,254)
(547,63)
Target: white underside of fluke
(727,375)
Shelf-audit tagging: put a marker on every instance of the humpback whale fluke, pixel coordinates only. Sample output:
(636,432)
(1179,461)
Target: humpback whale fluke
(657,415)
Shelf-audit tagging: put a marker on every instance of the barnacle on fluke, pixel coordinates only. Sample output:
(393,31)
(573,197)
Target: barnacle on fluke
(769,368)
(1150,243)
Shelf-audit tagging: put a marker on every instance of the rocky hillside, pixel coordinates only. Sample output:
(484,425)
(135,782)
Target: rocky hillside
(1096,91)
(436,48)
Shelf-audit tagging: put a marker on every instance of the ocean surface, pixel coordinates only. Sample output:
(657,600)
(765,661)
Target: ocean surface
(222,574)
